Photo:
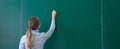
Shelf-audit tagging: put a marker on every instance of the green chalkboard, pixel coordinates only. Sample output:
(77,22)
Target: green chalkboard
(111,20)
(78,23)
(9,24)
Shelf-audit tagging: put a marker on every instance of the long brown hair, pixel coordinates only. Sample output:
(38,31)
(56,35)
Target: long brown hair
(33,23)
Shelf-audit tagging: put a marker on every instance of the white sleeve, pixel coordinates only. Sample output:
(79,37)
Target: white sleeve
(51,29)
(22,43)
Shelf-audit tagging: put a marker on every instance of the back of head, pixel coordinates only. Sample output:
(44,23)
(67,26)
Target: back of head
(34,24)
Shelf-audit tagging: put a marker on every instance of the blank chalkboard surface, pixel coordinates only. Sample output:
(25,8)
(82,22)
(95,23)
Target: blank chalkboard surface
(111,18)
(9,24)
(80,24)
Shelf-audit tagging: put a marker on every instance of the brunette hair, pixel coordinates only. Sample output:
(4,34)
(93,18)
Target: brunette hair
(33,23)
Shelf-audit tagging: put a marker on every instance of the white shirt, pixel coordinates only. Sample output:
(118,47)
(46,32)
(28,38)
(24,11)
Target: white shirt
(39,38)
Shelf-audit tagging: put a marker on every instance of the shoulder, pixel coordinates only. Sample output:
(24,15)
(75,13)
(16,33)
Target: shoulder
(23,38)
(41,33)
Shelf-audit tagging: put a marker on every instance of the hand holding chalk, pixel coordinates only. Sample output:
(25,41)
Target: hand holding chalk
(54,13)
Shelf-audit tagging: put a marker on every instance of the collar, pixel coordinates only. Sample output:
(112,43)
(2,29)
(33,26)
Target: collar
(35,31)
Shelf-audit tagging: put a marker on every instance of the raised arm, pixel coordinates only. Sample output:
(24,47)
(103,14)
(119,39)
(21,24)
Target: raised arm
(52,27)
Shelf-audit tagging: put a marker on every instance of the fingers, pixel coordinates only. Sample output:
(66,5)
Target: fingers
(54,13)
